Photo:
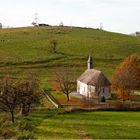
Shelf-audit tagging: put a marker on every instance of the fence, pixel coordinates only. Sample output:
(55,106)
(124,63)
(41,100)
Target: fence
(51,99)
(118,105)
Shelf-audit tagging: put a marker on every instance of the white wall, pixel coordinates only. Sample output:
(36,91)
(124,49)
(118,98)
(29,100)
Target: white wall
(89,91)
(82,88)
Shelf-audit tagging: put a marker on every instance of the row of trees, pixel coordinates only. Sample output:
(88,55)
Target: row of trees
(18,95)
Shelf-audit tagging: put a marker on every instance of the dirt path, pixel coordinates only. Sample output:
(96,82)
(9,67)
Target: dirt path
(83,135)
(81,132)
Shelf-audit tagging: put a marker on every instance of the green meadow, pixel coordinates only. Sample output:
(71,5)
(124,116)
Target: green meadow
(50,124)
(27,50)
(87,125)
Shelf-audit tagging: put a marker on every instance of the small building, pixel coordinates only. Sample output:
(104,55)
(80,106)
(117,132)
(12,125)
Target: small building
(93,83)
(43,25)
(137,34)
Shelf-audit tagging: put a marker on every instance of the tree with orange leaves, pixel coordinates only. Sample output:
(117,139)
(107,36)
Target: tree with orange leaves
(126,77)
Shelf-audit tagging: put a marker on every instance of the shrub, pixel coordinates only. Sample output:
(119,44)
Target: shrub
(24,125)
(8,133)
(87,102)
(25,135)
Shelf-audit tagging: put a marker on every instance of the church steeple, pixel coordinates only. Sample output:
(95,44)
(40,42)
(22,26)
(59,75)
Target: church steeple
(90,63)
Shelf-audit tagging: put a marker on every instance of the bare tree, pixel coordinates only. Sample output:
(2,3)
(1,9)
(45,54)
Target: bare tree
(53,44)
(9,96)
(66,81)
(29,94)
(18,94)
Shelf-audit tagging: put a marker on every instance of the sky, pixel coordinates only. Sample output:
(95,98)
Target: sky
(115,15)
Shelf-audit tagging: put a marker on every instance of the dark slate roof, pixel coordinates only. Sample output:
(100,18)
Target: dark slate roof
(94,77)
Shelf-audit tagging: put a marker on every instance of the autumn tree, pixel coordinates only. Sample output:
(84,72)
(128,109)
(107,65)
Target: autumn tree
(126,77)
(66,81)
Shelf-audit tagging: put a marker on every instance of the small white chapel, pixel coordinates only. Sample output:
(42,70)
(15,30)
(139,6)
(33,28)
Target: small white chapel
(93,83)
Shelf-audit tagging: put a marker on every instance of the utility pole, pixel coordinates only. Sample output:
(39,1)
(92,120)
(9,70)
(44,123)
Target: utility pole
(101,26)
(36,18)
(35,21)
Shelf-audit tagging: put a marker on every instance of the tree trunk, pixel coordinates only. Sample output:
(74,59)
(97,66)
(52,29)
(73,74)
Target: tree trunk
(28,109)
(98,97)
(23,111)
(12,116)
(123,99)
(68,98)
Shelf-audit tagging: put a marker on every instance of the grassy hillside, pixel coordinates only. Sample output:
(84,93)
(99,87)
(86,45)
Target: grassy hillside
(28,49)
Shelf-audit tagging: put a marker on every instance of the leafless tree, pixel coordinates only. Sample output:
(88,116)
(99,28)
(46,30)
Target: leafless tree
(29,94)
(18,94)
(66,81)
(53,44)
(8,96)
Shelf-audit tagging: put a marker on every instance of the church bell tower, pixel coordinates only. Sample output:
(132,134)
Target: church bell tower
(90,63)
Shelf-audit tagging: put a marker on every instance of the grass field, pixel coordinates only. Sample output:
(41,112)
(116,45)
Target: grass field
(49,124)
(82,125)
(25,50)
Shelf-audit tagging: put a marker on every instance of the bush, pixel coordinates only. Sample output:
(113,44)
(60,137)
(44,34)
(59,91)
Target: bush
(7,129)
(24,125)
(114,96)
(25,129)
(25,135)
(87,102)
(8,133)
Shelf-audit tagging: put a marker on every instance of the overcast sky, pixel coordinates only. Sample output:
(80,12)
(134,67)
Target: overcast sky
(115,15)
